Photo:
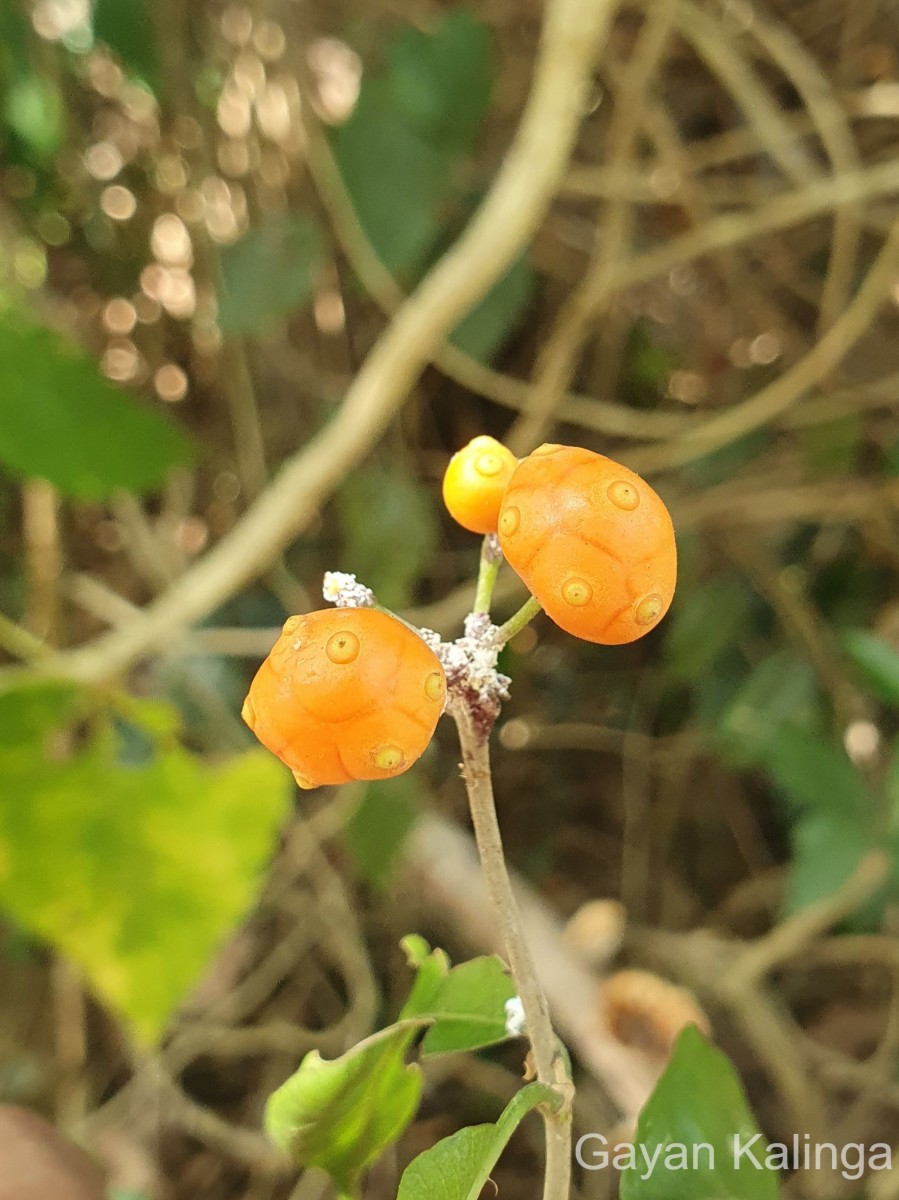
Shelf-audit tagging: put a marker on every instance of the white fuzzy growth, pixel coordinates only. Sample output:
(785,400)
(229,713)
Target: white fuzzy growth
(470,661)
(515,1022)
(343,590)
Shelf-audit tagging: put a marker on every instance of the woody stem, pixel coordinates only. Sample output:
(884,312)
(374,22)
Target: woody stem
(548,1063)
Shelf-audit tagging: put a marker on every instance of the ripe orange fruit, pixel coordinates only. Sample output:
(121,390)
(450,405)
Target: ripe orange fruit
(474,483)
(346,693)
(592,541)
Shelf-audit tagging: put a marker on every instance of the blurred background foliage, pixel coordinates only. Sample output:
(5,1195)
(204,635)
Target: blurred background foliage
(207,213)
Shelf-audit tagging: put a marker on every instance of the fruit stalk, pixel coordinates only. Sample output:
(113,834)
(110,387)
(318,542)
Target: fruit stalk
(488,569)
(548,1064)
(518,620)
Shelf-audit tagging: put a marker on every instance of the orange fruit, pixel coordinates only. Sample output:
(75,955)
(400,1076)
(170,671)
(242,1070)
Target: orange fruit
(474,483)
(346,693)
(592,541)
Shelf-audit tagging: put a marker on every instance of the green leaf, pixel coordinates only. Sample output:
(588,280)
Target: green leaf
(61,420)
(832,448)
(877,661)
(442,81)
(459,1166)
(125,26)
(811,774)
(378,827)
(482,333)
(137,872)
(466,1004)
(698,1100)
(389,531)
(397,181)
(781,690)
(268,274)
(431,968)
(827,849)
(833,813)
(704,624)
(399,151)
(340,1114)
(646,365)
(723,464)
(33,111)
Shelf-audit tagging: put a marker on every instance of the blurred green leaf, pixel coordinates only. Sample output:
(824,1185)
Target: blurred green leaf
(780,690)
(699,1099)
(487,326)
(459,1166)
(892,787)
(268,274)
(125,26)
(137,873)
(441,81)
(827,848)
(877,661)
(704,623)
(378,827)
(61,420)
(399,151)
(466,1003)
(832,448)
(646,365)
(389,531)
(812,774)
(15,29)
(398,182)
(32,109)
(833,818)
(720,465)
(340,1114)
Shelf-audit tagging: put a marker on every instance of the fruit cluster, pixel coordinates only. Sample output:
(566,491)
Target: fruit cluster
(354,693)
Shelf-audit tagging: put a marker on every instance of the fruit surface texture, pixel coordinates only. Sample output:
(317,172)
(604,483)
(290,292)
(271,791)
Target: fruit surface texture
(475,481)
(346,693)
(593,542)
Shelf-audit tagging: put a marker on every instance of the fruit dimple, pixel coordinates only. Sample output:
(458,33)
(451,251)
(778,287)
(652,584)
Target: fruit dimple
(623,495)
(488,464)
(648,609)
(388,758)
(435,686)
(343,647)
(509,521)
(577,592)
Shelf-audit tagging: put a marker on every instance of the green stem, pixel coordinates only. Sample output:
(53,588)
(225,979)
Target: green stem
(19,642)
(518,620)
(488,569)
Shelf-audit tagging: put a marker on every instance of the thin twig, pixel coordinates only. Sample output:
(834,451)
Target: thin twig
(793,935)
(778,396)
(558,360)
(19,642)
